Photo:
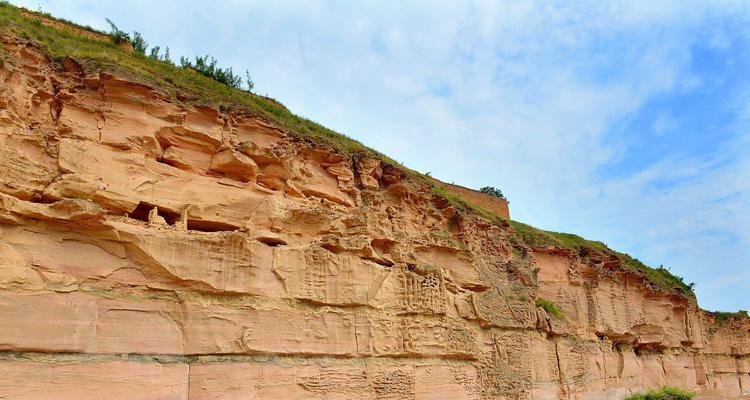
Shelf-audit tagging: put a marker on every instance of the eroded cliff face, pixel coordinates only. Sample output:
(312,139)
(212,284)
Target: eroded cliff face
(151,249)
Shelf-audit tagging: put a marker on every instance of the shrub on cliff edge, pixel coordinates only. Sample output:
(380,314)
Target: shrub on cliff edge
(723,317)
(663,393)
(493,191)
(118,36)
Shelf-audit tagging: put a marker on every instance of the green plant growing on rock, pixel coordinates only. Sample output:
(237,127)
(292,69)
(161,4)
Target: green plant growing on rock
(663,393)
(550,307)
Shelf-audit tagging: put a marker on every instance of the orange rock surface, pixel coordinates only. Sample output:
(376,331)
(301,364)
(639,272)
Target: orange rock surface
(151,249)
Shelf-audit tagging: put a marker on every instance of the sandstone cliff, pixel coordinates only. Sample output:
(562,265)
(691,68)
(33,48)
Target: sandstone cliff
(152,248)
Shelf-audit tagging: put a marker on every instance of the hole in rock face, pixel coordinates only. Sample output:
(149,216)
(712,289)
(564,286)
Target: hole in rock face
(170,216)
(330,247)
(209,226)
(647,349)
(381,261)
(141,213)
(382,246)
(272,241)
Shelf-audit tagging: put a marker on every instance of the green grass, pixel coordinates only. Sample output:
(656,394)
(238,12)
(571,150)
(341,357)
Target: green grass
(535,237)
(103,55)
(462,204)
(550,307)
(663,393)
(661,278)
(724,317)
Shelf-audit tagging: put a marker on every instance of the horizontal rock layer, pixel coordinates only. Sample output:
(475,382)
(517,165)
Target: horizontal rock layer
(154,249)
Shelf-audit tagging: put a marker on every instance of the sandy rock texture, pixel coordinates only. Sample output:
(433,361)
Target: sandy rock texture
(151,249)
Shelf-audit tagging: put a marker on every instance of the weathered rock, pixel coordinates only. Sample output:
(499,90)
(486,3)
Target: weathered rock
(121,380)
(150,249)
(234,164)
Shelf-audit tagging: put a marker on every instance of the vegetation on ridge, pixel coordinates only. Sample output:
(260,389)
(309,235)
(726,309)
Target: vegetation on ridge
(663,393)
(462,204)
(206,65)
(723,317)
(660,277)
(163,74)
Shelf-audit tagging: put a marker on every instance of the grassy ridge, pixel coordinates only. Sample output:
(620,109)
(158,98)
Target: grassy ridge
(60,43)
(660,277)
(723,317)
(535,237)
(463,204)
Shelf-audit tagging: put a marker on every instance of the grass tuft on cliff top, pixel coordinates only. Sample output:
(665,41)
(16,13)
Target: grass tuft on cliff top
(724,317)
(660,277)
(463,204)
(104,54)
(663,393)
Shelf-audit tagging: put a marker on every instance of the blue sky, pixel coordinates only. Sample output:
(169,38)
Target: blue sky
(626,122)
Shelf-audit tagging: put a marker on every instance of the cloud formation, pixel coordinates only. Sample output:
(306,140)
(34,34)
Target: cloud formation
(626,122)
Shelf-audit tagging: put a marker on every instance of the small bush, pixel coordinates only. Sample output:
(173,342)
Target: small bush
(663,393)
(118,36)
(249,82)
(549,307)
(493,191)
(139,43)
(154,53)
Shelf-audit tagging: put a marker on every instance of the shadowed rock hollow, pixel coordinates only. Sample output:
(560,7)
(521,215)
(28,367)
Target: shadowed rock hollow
(152,248)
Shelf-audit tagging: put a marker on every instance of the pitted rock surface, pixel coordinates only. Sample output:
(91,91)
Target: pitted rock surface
(155,249)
